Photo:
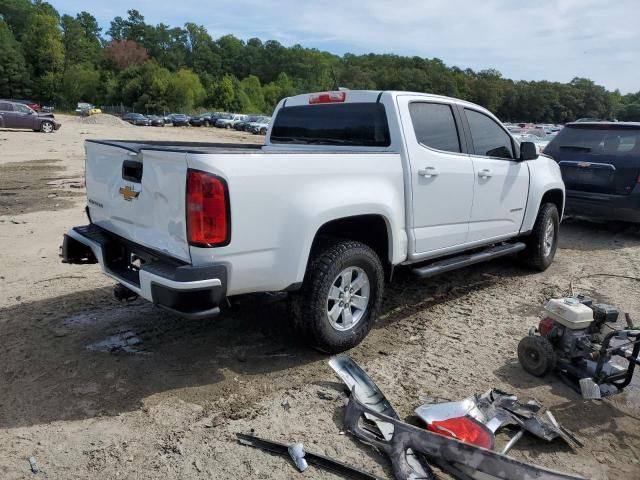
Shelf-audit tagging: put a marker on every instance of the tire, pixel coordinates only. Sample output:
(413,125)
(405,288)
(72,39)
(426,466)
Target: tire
(47,127)
(319,316)
(536,355)
(543,240)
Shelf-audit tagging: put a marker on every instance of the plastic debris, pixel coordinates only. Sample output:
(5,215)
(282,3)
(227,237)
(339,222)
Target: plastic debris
(296,452)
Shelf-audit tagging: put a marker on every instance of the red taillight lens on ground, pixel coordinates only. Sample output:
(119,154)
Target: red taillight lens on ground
(465,429)
(207,210)
(328,97)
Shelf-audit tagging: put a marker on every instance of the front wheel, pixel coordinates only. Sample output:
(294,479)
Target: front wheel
(543,240)
(536,355)
(340,297)
(46,127)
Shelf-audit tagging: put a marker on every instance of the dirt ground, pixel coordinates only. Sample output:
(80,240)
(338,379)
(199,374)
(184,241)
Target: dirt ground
(95,389)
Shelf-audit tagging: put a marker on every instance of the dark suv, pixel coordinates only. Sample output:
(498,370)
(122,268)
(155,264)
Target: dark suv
(600,163)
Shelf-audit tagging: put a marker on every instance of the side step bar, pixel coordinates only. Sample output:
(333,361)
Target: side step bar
(460,261)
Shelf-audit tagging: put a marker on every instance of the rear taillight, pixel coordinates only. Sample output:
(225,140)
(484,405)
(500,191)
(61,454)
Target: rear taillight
(207,210)
(465,429)
(328,97)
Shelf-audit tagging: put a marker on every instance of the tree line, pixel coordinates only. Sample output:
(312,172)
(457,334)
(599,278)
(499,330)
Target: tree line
(64,59)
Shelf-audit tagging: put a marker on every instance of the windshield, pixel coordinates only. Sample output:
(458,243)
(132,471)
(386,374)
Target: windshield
(360,124)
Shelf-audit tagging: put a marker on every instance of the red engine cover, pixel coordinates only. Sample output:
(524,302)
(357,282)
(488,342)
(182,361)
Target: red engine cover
(546,326)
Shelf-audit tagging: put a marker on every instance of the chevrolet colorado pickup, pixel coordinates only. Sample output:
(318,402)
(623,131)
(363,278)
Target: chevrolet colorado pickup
(347,186)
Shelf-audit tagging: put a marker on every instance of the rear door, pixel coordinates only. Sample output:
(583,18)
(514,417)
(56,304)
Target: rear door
(598,158)
(441,173)
(139,195)
(501,181)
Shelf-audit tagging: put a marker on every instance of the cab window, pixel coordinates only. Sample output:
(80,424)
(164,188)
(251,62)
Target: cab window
(435,126)
(489,139)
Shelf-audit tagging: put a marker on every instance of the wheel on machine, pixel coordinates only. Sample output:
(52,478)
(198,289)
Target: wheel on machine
(340,297)
(536,355)
(543,240)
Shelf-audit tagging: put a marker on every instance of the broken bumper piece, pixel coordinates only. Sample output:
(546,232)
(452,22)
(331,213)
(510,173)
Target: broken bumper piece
(461,459)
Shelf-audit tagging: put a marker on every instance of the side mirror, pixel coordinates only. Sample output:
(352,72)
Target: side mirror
(528,151)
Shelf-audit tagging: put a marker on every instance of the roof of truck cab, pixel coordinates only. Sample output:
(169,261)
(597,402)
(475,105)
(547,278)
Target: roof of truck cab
(376,95)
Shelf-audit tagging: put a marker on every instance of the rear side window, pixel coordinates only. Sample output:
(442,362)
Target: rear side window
(354,124)
(605,139)
(489,139)
(435,126)
(6,107)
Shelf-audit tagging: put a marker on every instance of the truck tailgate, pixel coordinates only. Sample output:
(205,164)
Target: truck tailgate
(139,195)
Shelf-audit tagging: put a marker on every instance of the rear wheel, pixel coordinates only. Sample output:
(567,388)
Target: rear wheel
(536,355)
(340,297)
(46,127)
(543,241)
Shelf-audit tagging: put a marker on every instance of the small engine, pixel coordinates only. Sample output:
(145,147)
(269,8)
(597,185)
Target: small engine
(571,339)
(574,325)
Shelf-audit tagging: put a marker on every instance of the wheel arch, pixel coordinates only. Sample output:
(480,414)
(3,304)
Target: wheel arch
(373,230)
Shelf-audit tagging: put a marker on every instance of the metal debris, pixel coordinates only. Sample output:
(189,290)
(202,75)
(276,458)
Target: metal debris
(321,461)
(367,391)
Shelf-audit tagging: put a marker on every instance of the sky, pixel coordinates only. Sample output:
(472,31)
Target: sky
(553,40)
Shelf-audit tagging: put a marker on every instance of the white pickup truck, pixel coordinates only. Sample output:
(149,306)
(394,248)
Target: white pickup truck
(347,186)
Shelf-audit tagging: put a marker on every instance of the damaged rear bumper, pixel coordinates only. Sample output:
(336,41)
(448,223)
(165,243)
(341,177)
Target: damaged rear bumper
(189,291)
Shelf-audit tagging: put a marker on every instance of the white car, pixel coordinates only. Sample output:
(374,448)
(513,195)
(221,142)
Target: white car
(347,187)
(228,121)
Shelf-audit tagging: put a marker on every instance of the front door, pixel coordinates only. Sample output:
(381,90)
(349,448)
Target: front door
(502,181)
(24,116)
(441,174)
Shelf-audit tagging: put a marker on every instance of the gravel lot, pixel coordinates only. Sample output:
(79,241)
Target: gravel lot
(95,389)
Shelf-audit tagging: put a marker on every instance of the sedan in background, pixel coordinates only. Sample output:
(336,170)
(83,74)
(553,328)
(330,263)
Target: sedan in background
(177,119)
(18,115)
(136,119)
(156,121)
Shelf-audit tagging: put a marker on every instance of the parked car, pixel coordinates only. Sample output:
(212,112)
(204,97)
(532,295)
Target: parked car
(136,119)
(18,115)
(347,187)
(600,163)
(540,142)
(260,126)
(243,125)
(156,120)
(87,109)
(228,121)
(178,119)
(202,120)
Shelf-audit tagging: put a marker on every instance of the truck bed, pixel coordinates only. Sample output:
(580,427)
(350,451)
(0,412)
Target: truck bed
(182,147)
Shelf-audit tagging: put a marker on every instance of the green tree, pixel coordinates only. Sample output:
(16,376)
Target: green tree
(252,88)
(42,44)
(14,78)
(79,83)
(185,90)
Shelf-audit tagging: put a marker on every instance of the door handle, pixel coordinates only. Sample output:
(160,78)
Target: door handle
(484,173)
(428,172)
